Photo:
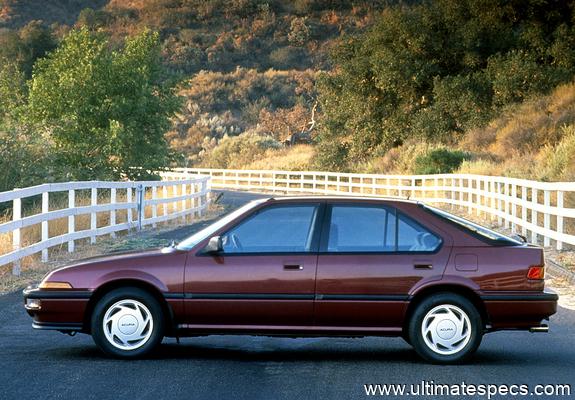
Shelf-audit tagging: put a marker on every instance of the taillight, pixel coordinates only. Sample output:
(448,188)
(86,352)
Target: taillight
(536,272)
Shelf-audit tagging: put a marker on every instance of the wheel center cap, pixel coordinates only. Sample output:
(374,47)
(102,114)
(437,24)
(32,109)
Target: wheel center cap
(127,324)
(446,329)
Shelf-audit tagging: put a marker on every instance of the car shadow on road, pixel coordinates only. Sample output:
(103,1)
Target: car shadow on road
(394,355)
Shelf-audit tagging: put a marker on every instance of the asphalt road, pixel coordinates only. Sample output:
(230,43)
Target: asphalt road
(49,365)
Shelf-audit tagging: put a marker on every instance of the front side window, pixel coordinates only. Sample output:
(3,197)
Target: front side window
(375,229)
(276,229)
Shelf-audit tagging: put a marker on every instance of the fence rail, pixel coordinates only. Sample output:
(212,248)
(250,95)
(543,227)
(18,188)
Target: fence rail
(187,196)
(535,209)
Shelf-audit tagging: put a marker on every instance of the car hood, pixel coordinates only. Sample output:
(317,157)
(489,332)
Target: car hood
(113,258)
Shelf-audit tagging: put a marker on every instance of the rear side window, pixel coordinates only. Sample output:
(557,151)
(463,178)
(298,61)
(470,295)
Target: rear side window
(376,229)
(272,230)
(364,229)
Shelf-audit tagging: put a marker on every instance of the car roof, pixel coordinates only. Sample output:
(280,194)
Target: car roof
(343,198)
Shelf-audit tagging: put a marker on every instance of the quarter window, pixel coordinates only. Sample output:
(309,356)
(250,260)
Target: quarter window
(411,236)
(275,229)
(376,229)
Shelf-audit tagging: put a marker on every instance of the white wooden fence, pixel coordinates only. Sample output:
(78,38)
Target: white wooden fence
(535,209)
(164,200)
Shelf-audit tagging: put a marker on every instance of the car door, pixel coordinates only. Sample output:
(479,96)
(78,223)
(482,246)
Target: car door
(265,275)
(371,256)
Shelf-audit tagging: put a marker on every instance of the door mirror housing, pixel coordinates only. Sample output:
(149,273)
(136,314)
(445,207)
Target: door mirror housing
(214,245)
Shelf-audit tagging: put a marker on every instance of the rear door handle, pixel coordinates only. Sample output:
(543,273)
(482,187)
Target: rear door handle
(423,266)
(293,267)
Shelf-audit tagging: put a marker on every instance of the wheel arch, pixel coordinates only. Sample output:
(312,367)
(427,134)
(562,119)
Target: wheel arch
(461,290)
(107,287)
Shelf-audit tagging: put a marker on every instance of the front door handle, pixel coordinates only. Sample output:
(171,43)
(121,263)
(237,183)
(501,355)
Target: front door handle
(423,266)
(293,267)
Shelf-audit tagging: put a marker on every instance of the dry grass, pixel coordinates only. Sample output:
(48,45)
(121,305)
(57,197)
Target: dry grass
(527,127)
(296,158)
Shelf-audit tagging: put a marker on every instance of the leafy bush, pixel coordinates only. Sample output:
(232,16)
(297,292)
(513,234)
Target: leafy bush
(517,75)
(236,151)
(288,58)
(439,161)
(299,32)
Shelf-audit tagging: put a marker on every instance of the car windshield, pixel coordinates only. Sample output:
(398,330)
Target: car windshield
(190,242)
(472,226)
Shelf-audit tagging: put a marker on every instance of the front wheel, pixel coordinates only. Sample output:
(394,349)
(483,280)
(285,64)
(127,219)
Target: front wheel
(127,323)
(445,328)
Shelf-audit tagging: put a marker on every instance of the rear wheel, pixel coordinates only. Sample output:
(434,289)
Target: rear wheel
(445,328)
(127,323)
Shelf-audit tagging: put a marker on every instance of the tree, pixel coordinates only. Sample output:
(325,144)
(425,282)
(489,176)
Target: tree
(24,47)
(434,69)
(105,111)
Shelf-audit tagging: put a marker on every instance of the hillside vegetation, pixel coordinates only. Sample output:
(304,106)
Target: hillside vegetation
(351,85)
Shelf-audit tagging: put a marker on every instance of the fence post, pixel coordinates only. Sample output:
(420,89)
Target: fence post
(113,210)
(523,210)
(506,189)
(469,192)
(491,189)
(546,216)
(165,196)
(140,202)
(184,201)
(559,218)
(16,244)
(71,218)
(45,209)
(93,215)
(513,206)
(478,197)
(129,210)
(534,200)
(197,201)
(154,205)
(499,203)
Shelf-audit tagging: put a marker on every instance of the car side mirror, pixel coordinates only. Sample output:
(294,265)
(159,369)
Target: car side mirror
(214,245)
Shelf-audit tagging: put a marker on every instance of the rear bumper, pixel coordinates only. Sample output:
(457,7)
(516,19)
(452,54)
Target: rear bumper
(519,310)
(61,310)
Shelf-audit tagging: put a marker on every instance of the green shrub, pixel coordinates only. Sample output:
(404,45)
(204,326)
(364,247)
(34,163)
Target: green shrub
(439,161)
(518,74)
(288,58)
(236,151)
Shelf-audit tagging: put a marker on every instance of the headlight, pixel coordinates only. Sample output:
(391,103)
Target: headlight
(54,285)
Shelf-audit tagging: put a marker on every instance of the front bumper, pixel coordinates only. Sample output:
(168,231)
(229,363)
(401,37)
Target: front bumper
(61,310)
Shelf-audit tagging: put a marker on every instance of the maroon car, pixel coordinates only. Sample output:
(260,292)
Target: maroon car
(311,266)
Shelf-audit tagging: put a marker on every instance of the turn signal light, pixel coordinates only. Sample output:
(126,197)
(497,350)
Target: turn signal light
(55,285)
(536,272)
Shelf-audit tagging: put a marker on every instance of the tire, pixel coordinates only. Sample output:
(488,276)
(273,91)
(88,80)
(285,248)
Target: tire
(127,323)
(445,328)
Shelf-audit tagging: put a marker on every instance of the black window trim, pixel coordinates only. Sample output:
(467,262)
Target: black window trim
(470,232)
(316,228)
(327,222)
